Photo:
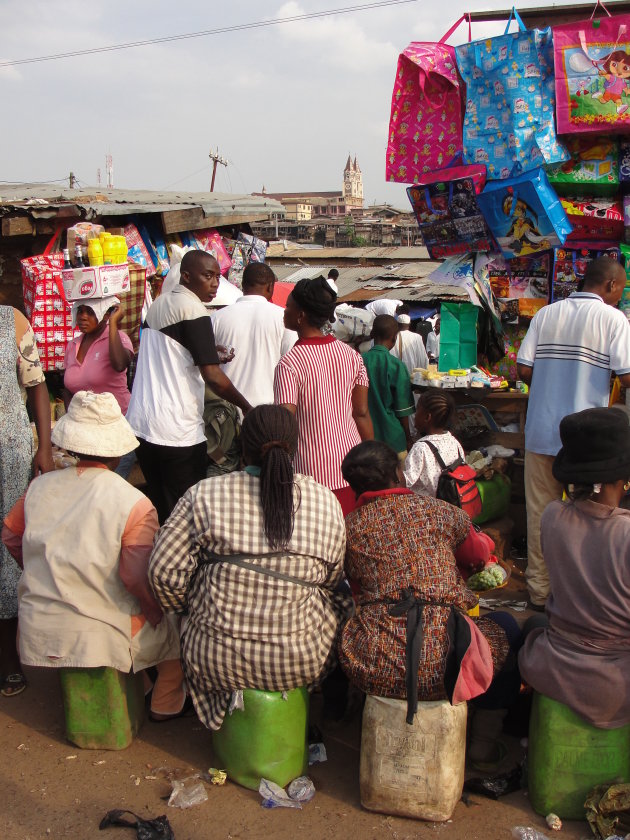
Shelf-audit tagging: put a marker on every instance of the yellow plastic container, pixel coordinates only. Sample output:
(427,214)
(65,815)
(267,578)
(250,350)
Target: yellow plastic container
(412,770)
(95,251)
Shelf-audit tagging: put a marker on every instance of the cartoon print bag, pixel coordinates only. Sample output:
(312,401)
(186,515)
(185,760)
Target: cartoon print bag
(510,100)
(592,62)
(425,126)
(447,212)
(524,214)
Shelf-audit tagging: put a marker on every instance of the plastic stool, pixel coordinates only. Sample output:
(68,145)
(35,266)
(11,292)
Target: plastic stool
(567,757)
(266,739)
(104,708)
(412,771)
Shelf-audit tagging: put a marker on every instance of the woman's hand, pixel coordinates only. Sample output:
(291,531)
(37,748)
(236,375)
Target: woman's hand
(115,316)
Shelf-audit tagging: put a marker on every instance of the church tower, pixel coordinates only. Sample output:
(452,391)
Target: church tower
(352,185)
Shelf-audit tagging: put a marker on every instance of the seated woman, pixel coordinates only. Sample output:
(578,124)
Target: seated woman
(411,636)
(84,536)
(582,659)
(254,558)
(434,417)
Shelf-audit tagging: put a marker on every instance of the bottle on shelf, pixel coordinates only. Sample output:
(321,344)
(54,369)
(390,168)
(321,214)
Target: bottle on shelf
(78,257)
(66,259)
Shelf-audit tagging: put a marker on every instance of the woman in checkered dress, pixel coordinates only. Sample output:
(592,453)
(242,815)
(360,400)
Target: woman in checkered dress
(253,559)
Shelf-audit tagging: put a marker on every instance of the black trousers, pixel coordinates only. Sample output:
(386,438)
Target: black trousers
(170,471)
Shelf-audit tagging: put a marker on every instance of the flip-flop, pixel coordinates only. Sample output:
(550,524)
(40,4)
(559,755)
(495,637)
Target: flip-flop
(187,711)
(13,684)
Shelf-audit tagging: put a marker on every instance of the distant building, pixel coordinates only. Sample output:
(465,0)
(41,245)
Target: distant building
(302,206)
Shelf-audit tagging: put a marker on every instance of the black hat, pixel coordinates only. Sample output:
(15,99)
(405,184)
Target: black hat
(595,447)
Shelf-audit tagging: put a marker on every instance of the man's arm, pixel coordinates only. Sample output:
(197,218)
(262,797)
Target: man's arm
(360,412)
(221,385)
(525,373)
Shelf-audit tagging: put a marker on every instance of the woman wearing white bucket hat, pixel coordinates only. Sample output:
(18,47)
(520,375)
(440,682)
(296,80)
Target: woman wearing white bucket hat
(84,536)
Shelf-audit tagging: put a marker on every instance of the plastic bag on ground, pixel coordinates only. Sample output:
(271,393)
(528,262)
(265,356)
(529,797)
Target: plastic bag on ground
(156,829)
(301,789)
(187,792)
(274,797)
(521,832)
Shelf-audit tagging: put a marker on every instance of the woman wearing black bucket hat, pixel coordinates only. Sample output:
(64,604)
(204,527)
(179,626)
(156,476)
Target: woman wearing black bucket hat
(582,659)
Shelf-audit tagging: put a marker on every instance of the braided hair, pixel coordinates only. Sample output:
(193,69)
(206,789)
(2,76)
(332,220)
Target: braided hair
(269,438)
(371,465)
(441,406)
(318,300)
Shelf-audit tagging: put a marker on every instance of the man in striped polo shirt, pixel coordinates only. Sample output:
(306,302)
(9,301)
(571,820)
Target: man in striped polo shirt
(567,356)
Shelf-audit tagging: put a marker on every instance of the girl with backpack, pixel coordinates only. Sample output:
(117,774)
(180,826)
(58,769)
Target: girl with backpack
(434,417)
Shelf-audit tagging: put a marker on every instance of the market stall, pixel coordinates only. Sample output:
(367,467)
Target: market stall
(514,152)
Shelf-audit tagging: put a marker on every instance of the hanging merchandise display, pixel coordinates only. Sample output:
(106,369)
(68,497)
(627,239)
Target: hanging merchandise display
(593,168)
(521,285)
(594,218)
(447,212)
(509,120)
(592,64)
(569,266)
(524,214)
(425,125)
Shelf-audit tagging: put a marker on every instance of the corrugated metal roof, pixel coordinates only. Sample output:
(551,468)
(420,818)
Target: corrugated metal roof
(407,282)
(37,199)
(397,254)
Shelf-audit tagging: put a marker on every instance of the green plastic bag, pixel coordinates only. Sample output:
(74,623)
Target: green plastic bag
(458,336)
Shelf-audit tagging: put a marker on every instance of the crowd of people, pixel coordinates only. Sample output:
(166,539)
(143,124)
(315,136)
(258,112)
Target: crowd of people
(321,553)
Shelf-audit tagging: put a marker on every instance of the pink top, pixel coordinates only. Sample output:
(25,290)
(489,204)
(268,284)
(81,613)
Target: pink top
(96,373)
(318,376)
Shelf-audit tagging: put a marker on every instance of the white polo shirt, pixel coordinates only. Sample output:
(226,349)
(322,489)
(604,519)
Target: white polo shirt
(573,346)
(254,327)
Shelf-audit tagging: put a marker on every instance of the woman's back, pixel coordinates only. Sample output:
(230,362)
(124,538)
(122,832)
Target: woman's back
(318,376)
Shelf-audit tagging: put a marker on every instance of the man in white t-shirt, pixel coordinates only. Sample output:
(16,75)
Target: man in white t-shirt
(567,356)
(383,306)
(254,327)
(177,355)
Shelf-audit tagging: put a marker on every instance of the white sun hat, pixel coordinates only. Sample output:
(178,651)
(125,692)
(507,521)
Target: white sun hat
(99,307)
(94,425)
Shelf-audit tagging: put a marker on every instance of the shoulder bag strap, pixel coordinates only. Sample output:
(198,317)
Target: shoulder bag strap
(436,454)
(209,558)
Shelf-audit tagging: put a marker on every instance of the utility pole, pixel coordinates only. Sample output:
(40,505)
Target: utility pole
(71,181)
(216,158)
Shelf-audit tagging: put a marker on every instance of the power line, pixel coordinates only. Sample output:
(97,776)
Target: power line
(205,33)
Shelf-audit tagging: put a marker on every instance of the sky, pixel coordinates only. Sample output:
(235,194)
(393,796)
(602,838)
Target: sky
(284,104)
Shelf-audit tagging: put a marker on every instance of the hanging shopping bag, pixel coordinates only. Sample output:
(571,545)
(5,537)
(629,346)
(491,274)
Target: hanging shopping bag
(458,336)
(592,61)
(425,125)
(570,264)
(449,218)
(510,100)
(524,214)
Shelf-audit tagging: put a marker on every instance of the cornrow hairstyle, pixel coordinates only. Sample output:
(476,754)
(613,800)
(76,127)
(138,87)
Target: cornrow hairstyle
(269,437)
(371,465)
(441,406)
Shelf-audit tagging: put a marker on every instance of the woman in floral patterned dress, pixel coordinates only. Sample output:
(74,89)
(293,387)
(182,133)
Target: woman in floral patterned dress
(19,368)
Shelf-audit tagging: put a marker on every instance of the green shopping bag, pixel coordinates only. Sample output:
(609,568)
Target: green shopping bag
(458,336)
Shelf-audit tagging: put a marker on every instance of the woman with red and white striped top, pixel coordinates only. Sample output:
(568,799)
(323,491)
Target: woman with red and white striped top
(324,383)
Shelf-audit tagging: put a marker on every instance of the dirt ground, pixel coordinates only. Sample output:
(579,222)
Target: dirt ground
(51,789)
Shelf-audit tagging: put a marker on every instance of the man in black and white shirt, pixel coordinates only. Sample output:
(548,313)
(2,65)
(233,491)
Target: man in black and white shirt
(177,355)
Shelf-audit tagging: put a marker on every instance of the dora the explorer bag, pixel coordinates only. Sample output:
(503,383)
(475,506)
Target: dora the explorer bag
(456,484)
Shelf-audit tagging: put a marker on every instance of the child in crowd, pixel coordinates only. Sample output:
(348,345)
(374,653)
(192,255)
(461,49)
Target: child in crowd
(434,417)
(390,399)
